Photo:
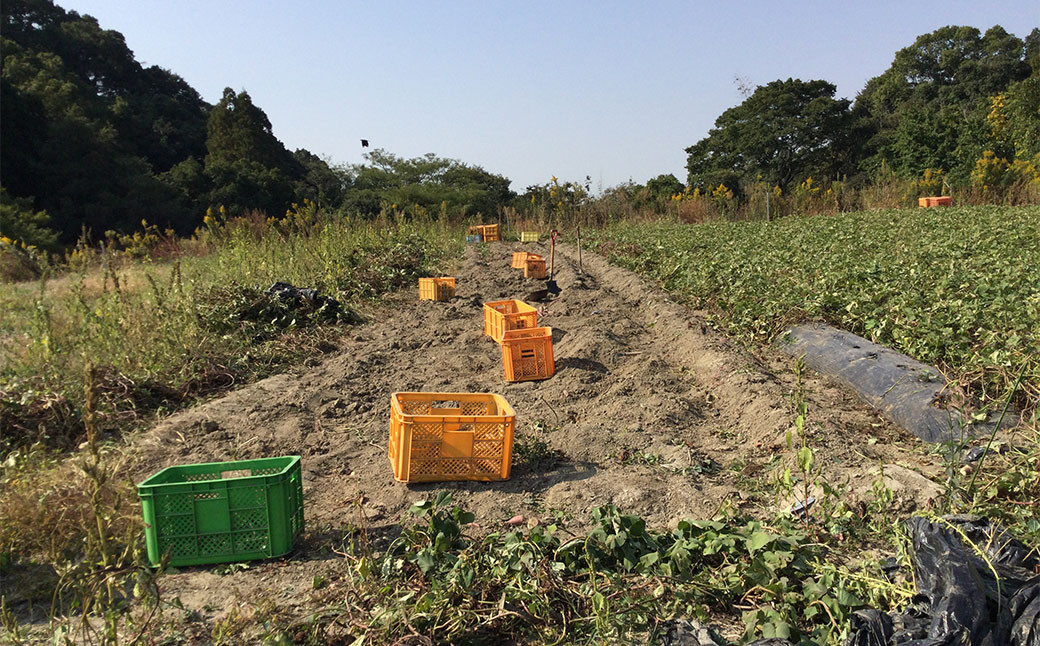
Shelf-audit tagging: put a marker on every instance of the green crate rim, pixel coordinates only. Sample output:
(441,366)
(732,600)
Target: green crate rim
(147,484)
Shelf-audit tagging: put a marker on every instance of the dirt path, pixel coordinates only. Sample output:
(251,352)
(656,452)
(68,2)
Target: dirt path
(649,410)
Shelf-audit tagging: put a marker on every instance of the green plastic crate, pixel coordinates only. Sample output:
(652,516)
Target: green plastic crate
(219,512)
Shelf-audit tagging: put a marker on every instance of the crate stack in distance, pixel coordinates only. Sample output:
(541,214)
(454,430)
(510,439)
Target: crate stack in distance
(943,200)
(483,233)
(526,348)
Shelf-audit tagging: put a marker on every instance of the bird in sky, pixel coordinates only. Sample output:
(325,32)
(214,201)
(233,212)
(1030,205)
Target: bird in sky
(364,143)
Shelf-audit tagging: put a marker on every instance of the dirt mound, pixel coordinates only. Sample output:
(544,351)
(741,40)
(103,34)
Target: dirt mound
(649,409)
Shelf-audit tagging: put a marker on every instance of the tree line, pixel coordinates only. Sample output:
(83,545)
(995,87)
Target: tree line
(92,141)
(956,102)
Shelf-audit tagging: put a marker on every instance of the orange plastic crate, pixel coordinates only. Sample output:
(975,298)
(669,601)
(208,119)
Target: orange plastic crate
(500,316)
(436,289)
(528,354)
(477,230)
(435,437)
(491,233)
(534,268)
(944,200)
(520,259)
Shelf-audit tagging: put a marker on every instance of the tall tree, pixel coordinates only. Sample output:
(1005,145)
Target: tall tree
(85,128)
(428,182)
(784,132)
(247,166)
(929,108)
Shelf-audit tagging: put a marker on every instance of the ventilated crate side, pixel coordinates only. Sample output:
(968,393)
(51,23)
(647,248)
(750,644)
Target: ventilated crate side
(534,268)
(491,233)
(221,512)
(437,437)
(519,259)
(436,289)
(528,354)
(529,236)
(500,316)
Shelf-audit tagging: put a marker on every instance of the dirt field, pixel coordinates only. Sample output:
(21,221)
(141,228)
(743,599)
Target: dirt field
(649,410)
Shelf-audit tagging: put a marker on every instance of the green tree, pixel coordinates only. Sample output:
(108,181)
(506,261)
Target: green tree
(663,187)
(246,165)
(319,182)
(1015,119)
(238,130)
(428,183)
(929,108)
(85,128)
(784,132)
(20,223)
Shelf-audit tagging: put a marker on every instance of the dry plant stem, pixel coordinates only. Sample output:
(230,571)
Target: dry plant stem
(1011,395)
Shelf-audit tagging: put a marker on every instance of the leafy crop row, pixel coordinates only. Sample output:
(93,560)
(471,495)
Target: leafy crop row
(958,288)
(615,583)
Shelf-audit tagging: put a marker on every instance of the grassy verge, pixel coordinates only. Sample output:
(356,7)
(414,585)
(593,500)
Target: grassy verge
(958,288)
(94,353)
(160,334)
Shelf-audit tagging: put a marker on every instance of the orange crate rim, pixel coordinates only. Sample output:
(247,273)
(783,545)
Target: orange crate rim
(471,440)
(500,316)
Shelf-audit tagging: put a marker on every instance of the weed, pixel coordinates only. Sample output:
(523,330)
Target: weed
(162,334)
(615,582)
(533,454)
(805,458)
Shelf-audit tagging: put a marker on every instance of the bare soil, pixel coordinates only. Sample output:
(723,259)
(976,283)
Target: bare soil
(650,409)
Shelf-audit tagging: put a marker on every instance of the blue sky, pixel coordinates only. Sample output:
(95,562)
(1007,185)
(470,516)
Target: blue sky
(527,89)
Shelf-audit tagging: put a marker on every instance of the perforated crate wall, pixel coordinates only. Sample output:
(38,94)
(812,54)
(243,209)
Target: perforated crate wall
(436,289)
(219,512)
(529,236)
(491,233)
(437,437)
(521,258)
(534,268)
(528,354)
(500,316)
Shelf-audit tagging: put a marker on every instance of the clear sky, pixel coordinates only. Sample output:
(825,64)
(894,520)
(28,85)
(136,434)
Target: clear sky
(527,89)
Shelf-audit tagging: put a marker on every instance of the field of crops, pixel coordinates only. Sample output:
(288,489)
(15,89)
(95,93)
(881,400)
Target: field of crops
(958,288)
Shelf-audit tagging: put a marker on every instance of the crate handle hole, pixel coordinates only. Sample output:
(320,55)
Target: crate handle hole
(446,404)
